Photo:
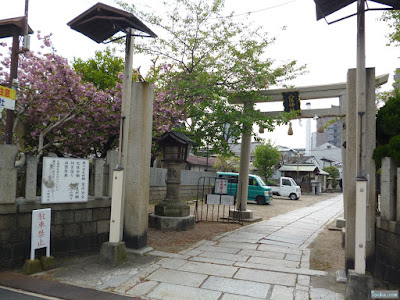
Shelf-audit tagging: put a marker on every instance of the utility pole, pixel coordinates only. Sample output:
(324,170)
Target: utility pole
(14,74)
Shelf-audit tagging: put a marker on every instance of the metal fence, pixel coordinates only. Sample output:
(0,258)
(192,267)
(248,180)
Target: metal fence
(212,207)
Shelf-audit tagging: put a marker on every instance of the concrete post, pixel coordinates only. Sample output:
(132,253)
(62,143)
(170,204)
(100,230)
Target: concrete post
(31,177)
(98,177)
(137,139)
(352,162)
(388,190)
(361,232)
(112,161)
(8,174)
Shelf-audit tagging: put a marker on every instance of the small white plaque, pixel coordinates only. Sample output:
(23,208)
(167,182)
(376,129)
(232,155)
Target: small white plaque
(221,186)
(213,199)
(41,222)
(65,180)
(227,200)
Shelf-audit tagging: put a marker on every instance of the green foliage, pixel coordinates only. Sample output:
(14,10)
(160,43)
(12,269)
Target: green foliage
(211,59)
(392,17)
(333,171)
(101,70)
(388,130)
(227,164)
(266,157)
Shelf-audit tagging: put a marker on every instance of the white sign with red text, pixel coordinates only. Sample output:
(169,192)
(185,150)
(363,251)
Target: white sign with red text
(221,186)
(41,222)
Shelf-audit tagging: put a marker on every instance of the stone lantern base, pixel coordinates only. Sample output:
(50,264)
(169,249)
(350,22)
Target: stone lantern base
(171,223)
(171,215)
(172,209)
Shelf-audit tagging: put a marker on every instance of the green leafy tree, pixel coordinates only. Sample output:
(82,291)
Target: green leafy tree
(333,172)
(388,130)
(266,157)
(211,58)
(392,17)
(102,70)
(227,163)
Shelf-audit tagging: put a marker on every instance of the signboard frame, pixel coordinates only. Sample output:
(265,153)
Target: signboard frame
(40,238)
(221,186)
(65,180)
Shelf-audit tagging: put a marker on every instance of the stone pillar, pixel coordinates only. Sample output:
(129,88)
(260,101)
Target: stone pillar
(388,189)
(31,177)
(342,110)
(98,177)
(352,162)
(8,174)
(243,184)
(137,139)
(112,161)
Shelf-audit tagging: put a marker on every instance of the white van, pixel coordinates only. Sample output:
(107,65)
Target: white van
(287,188)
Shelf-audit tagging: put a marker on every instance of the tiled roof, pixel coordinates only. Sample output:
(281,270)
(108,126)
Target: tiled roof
(200,161)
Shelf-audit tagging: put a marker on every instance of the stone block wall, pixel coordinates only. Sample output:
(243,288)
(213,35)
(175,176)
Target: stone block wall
(387,264)
(387,254)
(74,227)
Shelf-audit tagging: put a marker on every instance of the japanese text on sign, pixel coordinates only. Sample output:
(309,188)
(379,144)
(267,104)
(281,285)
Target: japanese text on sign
(41,220)
(221,186)
(7,98)
(65,180)
(291,101)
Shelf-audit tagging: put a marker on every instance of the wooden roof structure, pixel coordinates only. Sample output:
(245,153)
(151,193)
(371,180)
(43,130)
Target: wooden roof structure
(8,27)
(327,7)
(100,22)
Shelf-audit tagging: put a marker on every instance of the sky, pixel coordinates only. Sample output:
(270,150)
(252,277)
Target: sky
(327,50)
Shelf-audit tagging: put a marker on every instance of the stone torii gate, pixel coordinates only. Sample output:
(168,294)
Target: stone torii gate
(346,92)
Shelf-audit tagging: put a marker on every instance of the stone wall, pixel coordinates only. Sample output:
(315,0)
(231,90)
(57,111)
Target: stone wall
(387,264)
(387,256)
(74,227)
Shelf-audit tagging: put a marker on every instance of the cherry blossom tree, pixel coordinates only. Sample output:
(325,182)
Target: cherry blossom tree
(57,111)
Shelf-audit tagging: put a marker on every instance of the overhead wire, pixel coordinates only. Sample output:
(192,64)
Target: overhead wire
(255,11)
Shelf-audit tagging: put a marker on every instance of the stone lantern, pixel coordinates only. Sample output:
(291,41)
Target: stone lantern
(329,189)
(171,213)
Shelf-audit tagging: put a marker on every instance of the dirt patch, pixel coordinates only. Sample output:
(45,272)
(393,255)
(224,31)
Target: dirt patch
(327,255)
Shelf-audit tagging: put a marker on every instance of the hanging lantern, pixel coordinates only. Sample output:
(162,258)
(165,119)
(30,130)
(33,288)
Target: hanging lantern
(261,129)
(290,131)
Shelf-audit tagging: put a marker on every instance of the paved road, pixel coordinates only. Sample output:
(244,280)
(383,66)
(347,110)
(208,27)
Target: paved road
(6,294)
(265,260)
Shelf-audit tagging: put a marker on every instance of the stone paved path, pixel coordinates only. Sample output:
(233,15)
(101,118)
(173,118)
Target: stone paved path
(266,260)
